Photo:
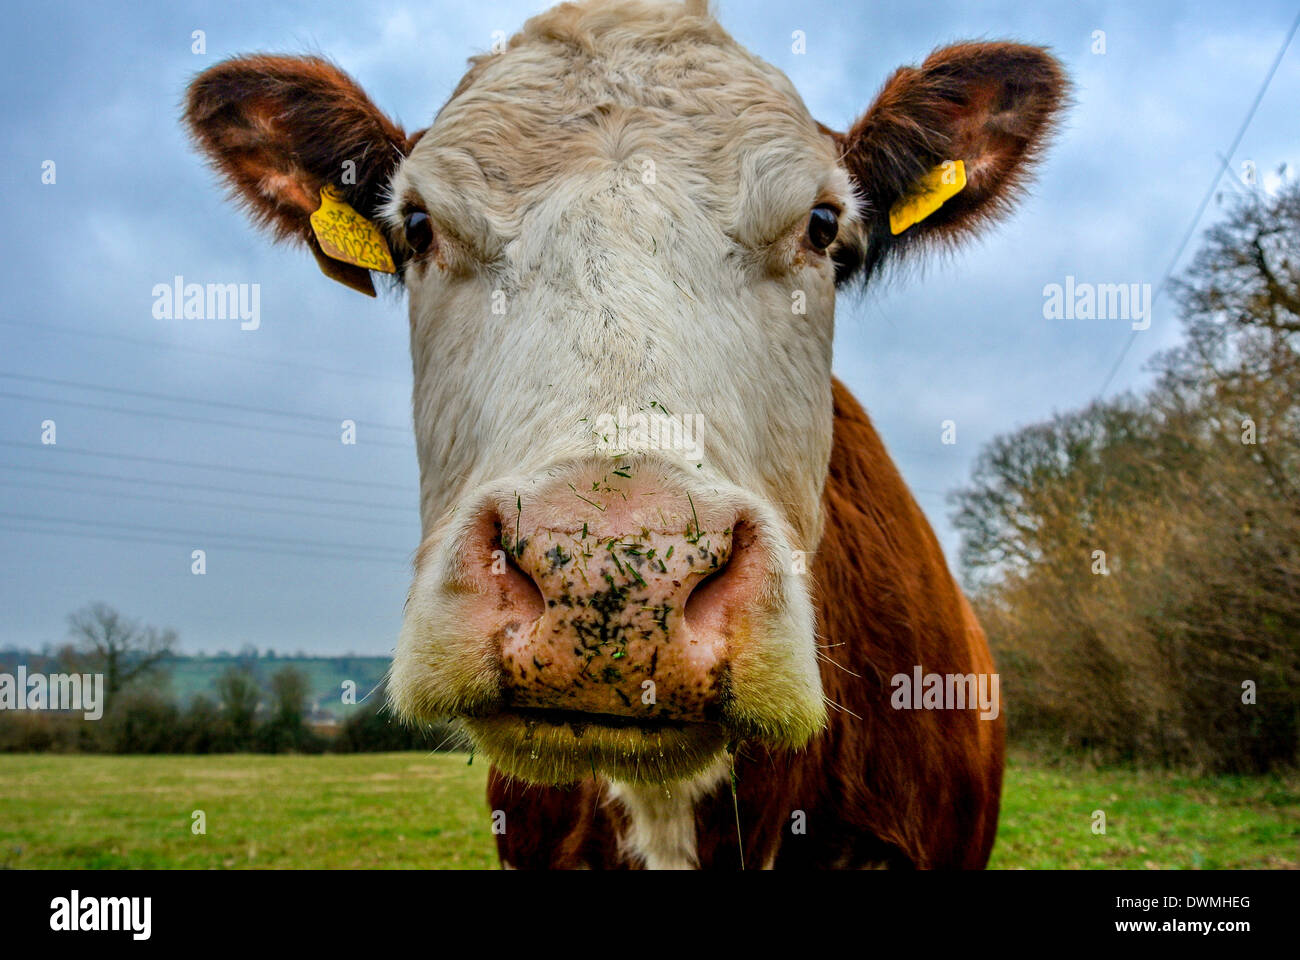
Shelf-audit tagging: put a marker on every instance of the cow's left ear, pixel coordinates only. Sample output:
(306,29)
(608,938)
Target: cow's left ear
(946,147)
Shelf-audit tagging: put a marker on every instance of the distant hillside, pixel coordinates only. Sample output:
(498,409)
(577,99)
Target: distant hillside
(325,676)
(188,676)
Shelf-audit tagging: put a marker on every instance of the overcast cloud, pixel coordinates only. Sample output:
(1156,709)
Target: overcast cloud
(96,88)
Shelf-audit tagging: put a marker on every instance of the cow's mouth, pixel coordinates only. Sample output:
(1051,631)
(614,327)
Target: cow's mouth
(564,746)
(580,722)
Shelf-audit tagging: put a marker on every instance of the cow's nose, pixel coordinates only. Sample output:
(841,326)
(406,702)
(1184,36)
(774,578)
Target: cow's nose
(636,624)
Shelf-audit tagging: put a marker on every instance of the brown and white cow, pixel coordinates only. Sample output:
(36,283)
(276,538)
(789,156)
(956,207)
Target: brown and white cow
(673,656)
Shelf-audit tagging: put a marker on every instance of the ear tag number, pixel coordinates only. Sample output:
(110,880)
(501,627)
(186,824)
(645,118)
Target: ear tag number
(932,191)
(345,235)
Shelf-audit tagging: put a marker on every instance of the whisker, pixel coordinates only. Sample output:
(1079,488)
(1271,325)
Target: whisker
(836,663)
(840,708)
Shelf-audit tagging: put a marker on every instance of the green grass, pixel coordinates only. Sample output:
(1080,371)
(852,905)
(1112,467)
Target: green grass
(331,811)
(416,810)
(1154,819)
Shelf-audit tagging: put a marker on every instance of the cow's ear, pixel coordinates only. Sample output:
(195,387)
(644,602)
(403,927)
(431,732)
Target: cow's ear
(281,129)
(946,147)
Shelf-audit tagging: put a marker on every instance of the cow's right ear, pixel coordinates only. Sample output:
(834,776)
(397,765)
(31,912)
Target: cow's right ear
(280,130)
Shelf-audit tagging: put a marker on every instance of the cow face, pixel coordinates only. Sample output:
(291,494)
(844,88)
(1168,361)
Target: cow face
(621,240)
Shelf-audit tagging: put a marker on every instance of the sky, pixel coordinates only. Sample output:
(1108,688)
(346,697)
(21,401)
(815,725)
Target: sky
(308,541)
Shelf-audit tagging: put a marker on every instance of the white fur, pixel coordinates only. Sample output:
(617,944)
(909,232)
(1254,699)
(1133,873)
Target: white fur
(661,835)
(618,292)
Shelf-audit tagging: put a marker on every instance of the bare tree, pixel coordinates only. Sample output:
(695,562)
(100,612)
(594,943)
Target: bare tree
(123,649)
(1136,564)
(240,696)
(289,689)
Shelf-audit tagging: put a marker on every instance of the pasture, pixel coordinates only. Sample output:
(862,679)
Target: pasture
(411,810)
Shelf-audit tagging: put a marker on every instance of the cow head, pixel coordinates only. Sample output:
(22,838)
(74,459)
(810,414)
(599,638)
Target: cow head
(621,239)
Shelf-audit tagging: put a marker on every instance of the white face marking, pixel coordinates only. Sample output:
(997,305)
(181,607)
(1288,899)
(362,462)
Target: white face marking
(619,227)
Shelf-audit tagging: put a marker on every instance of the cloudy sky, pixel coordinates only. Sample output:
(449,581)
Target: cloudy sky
(308,541)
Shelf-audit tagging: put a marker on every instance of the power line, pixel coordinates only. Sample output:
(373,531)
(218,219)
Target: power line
(172,398)
(197,535)
(217,467)
(1205,201)
(162,345)
(123,538)
(243,508)
(206,487)
(184,419)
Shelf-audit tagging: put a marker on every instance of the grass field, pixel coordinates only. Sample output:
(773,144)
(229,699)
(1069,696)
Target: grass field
(1154,819)
(416,810)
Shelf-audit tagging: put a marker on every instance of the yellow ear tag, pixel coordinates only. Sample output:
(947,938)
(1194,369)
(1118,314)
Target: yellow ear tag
(344,234)
(934,189)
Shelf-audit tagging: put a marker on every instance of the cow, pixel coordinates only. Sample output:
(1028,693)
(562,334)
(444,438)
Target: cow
(623,231)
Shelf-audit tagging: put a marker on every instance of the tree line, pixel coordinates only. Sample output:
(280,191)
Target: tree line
(244,716)
(1136,563)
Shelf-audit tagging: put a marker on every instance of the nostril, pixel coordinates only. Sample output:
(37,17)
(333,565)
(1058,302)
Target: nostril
(705,596)
(709,603)
(519,589)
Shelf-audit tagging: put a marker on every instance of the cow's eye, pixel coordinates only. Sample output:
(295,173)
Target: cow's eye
(419,231)
(823,227)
